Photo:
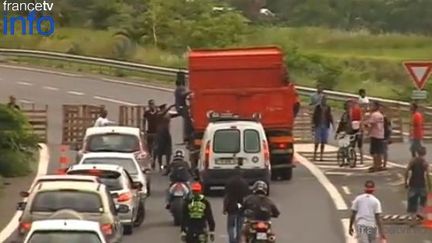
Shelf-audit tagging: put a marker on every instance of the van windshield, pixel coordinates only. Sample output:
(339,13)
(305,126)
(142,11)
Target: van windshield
(226,141)
(123,143)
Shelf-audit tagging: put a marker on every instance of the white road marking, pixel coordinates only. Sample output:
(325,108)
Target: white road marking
(42,170)
(50,88)
(346,190)
(338,173)
(113,100)
(75,93)
(348,238)
(331,189)
(25,83)
(26,101)
(40,70)
(137,84)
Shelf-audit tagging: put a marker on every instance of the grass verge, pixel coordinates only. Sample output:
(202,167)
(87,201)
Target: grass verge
(358,59)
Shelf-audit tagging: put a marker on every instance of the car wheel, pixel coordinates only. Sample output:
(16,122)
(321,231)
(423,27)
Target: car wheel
(128,229)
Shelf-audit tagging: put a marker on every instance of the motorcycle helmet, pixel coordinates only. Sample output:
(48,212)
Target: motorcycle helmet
(179,154)
(260,187)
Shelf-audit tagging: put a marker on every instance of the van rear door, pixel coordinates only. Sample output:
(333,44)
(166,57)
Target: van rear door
(226,146)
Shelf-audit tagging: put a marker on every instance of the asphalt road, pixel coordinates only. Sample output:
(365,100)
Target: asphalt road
(308,214)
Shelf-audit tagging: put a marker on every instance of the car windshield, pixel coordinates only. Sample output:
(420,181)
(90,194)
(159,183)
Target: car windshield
(80,201)
(64,236)
(111,179)
(122,143)
(128,164)
(226,141)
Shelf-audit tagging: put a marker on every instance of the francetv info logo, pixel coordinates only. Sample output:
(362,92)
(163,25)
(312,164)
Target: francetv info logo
(27,18)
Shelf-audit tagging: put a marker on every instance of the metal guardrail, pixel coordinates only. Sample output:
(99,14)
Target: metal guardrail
(332,95)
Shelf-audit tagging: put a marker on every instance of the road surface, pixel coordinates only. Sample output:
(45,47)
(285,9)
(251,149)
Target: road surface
(308,213)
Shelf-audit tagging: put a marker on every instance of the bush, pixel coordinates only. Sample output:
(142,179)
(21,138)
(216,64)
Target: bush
(18,145)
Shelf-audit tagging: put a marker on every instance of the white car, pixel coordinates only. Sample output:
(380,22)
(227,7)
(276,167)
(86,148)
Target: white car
(71,178)
(228,144)
(116,139)
(122,188)
(127,161)
(59,230)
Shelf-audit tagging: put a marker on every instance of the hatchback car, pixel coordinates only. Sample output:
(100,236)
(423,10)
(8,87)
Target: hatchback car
(231,144)
(70,178)
(127,161)
(60,230)
(122,188)
(91,200)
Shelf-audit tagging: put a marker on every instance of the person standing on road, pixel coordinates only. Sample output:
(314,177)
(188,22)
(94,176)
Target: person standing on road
(417,182)
(150,123)
(198,221)
(322,119)
(103,119)
(363,100)
(417,130)
(163,140)
(236,190)
(315,98)
(376,134)
(387,137)
(365,216)
(12,103)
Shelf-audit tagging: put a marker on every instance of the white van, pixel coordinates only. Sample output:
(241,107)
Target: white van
(228,144)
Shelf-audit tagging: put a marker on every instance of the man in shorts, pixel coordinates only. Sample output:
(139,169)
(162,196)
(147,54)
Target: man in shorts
(376,134)
(417,182)
(366,211)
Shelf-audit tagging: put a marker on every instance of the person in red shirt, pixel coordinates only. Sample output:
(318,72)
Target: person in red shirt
(416,131)
(356,123)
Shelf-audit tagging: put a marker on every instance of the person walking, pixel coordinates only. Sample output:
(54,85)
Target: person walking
(417,181)
(375,124)
(315,98)
(387,137)
(366,216)
(417,130)
(322,119)
(12,103)
(236,190)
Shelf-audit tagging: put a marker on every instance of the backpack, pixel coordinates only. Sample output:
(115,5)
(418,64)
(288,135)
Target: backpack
(387,128)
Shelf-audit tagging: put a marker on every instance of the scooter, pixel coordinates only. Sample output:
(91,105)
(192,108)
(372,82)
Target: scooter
(179,192)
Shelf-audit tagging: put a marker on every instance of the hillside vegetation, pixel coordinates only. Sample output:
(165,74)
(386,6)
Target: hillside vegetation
(341,43)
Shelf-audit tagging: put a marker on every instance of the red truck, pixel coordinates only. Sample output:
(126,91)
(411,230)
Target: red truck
(245,81)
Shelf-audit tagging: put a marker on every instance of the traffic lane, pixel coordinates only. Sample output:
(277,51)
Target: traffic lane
(89,85)
(307,214)
(391,193)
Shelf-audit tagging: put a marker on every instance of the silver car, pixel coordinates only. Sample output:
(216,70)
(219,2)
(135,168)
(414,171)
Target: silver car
(121,186)
(128,161)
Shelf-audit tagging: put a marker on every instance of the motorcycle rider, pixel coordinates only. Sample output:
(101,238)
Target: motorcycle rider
(179,171)
(258,206)
(197,215)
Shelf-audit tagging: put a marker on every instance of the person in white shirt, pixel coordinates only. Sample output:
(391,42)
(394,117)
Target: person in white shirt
(363,100)
(103,120)
(366,211)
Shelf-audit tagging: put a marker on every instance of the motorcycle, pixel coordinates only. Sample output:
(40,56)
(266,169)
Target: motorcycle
(260,232)
(179,193)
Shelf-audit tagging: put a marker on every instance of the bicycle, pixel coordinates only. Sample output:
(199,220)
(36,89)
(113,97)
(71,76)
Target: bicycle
(346,154)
